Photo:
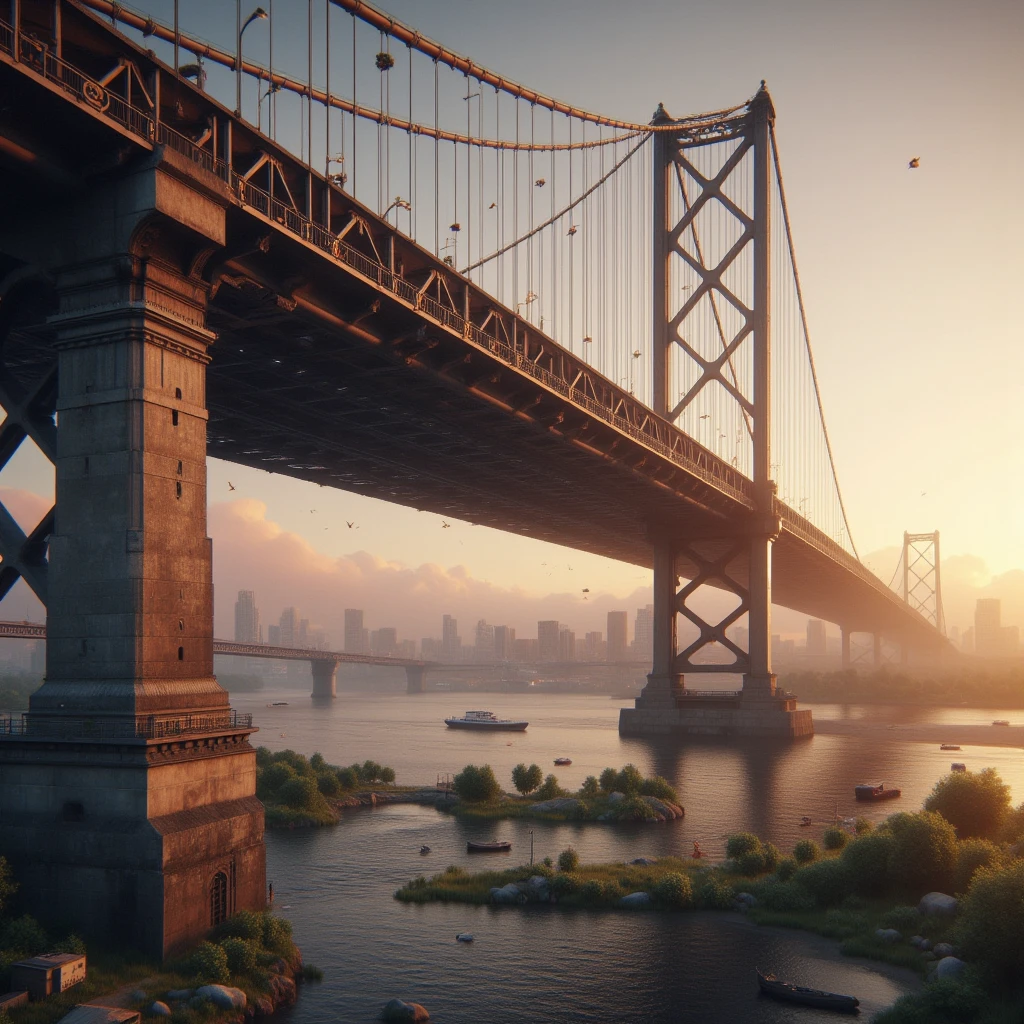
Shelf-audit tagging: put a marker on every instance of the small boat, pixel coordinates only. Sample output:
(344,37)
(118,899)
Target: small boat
(1000,721)
(563,760)
(878,792)
(485,720)
(424,849)
(789,993)
(958,766)
(950,746)
(498,847)
(464,937)
(805,821)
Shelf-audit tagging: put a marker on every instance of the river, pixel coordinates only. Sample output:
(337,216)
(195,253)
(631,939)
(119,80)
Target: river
(542,965)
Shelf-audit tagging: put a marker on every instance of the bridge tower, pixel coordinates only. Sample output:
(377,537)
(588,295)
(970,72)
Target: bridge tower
(736,559)
(922,576)
(127,793)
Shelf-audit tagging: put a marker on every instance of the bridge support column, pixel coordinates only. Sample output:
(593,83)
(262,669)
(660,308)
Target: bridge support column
(325,672)
(759,680)
(665,682)
(846,647)
(416,678)
(128,802)
(877,650)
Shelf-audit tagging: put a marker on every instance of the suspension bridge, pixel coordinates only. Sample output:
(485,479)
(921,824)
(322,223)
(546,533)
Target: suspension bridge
(397,273)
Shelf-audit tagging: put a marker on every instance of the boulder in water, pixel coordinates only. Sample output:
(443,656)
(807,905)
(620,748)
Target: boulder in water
(397,1011)
(223,996)
(636,900)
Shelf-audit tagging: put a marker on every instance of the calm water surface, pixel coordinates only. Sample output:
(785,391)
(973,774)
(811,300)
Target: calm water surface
(542,965)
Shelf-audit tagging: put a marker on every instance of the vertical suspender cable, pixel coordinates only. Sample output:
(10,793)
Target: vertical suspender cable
(355,113)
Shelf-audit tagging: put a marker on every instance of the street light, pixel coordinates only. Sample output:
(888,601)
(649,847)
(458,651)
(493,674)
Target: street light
(258,15)
(274,87)
(397,203)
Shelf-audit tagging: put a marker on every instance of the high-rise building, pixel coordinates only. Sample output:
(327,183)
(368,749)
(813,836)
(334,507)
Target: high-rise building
(524,649)
(593,649)
(547,640)
(643,633)
(430,649)
(991,638)
(816,637)
(274,636)
(384,642)
(484,641)
(566,644)
(247,619)
(618,636)
(354,631)
(504,639)
(290,626)
(451,642)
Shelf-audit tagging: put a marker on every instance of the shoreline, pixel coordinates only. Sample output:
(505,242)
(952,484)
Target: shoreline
(926,732)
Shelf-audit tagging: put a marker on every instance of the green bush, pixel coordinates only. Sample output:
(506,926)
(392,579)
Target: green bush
(242,955)
(658,787)
(526,780)
(976,804)
(565,884)
(1013,826)
(246,924)
(752,863)
(772,856)
(784,897)
(806,851)
(590,788)
(716,893)
(312,973)
(550,790)
(270,779)
(23,936)
(834,838)
(387,775)
(348,777)
(634,808)
(8,886)
(867,857)
(787,869)
(923,853)
(477,785)
(629,780)
(990,929)
(209,963)
(612,891)
(972,854)
(903,919)
(299,793)
(277,935)
(328,784)
(862,826)
(674,890)
(72,944)
(318,763)
(592,892)
(950,1001)
(828,881)
(842,924)
(608,779)
(568,860)
(742,842)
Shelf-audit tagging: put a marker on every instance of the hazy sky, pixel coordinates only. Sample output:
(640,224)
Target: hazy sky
(912,278)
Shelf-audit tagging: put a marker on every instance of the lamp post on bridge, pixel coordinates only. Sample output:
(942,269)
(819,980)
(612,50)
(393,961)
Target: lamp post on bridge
(257,15)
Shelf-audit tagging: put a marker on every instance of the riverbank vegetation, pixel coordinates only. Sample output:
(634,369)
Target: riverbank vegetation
(865,886)
(976,686)
(619,794)
(299,791)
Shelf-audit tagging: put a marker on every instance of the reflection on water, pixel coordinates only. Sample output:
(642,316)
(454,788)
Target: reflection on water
(544,965)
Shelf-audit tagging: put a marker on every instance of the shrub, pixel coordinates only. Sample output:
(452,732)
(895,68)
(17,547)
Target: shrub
(526,780)
(294,759)
(629,780)
(209,963)
(1013,826)
(950,1001)
(608,779)
(348,777)
(547,862)
(565,884)
(272,778)
(590,787)
(716,893)
(318,763)
(784,897)
(674,890)
(477,785)
(592,891)
(612,891)
(752,863)
(658,787)
(806,851)
(23,936)
(741,843)
(387,776)
(923,853)
(834,838)
(867,857)
(903,919)
(862,826)
(277,935)
(786,869)
(8,886)
(976,804)
(828,881)
(568,860)
(312,973)
(299,793)
(990,929)
(246,924)
(369,771)
(242,955)
(328,784)
(634,808)
(72,944)
(971,855)
(842,924)
(772,856)
(550,789)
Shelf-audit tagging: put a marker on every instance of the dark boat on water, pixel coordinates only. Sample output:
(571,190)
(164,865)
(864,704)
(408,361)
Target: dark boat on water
(499,847)
(789,993)
(878,792)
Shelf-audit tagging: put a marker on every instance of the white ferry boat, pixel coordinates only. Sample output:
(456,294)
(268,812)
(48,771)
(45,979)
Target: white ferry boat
(485,720)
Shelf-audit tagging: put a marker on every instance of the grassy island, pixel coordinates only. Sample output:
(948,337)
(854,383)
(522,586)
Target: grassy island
(619,795)
(298,791)
(940,890)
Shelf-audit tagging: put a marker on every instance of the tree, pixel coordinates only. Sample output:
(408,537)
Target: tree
(477,785)
(590,787)
(609,777)
(923,854)
(971,856)
(8,886)
(550,789)
(976,804)
(990,930)
(568,860)
(806,851)
(526,780)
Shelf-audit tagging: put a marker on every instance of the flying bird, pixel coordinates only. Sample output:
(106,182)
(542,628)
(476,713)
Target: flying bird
(540,183)
(231,486)
(914,163)
(349,525)
(586,590)
(445,526)
(572,230)
(493,206)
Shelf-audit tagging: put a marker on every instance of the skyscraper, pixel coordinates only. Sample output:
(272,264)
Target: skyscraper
(291,627)
(504,641)
(354,631)
(451,642)
(618,636)
(484,641)
(547,640)
(643,633)
(247,619)
(815,637)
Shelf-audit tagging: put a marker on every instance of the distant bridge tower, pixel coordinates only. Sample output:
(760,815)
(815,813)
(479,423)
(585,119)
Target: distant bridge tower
(922,576)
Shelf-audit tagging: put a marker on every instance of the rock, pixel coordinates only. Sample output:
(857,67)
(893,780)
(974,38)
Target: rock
(665,809)
(223,996)
(937,903)
(282,990)
(180,993)
(949,967)
(464,937)
(920,942)
(560,805)
(159,1009)
(281,966)
(614,798)
(889,935)
(746,900)
(636,900)
(138,995)
(263,1006)
(400,1012)
(645,861)
(942,949)
(508,894)
(536,888)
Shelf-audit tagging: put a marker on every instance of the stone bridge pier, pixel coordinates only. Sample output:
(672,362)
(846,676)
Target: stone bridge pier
(325,678)
(416,678)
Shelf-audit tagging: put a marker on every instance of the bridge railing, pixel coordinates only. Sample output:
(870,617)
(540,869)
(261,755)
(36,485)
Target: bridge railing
(146,727)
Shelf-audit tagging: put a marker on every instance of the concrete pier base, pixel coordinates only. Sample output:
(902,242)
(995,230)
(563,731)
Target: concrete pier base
(719,716)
